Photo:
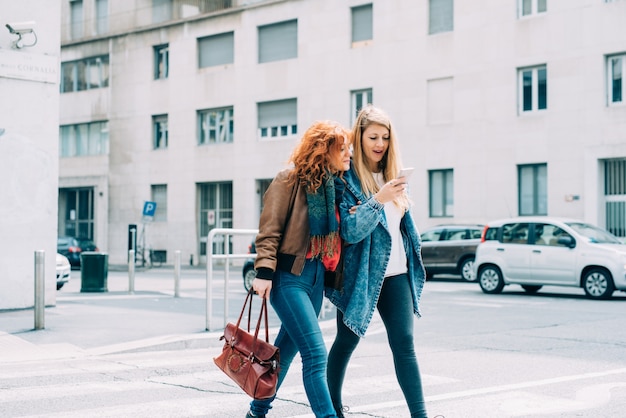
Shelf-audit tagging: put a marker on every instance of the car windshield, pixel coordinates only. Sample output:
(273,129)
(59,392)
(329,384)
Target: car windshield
(594,234)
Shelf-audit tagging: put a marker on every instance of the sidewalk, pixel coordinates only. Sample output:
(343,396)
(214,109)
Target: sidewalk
(116,321)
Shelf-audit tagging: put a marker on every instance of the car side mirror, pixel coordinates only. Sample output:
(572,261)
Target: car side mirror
(567,241)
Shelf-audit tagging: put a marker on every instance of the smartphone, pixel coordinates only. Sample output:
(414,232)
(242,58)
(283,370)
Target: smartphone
(405,172)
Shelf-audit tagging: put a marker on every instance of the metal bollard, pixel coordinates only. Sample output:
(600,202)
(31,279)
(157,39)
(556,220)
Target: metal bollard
(131,271)
(177,273)
(40,289)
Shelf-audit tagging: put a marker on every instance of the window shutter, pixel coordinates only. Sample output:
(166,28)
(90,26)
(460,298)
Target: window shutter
(216,50)
(278,113)
(278,41)
(362,23)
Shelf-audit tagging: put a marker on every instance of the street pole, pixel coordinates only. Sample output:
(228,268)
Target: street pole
(40,289)
(131,271)
(177,273)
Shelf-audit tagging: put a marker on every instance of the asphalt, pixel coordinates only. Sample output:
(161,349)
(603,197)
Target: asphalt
(152,317)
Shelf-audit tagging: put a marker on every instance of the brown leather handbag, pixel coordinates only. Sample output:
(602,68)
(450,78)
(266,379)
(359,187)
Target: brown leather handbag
(249,361)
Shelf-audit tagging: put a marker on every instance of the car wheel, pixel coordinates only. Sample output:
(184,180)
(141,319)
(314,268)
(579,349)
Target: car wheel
(598,284)
(490,279)
(531,288)
(467,270)
(248,277)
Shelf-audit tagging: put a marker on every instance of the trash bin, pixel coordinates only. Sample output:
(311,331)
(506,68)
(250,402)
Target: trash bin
(94,270)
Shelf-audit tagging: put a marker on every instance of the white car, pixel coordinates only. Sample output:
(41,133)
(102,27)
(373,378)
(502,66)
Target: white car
(64,270)
(541,251)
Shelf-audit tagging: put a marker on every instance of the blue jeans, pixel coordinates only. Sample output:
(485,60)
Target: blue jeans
(297,301)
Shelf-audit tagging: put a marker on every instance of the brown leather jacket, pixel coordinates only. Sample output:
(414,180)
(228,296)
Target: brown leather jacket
(283,238)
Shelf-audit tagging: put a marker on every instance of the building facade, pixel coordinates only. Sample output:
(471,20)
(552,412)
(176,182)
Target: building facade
(504,108)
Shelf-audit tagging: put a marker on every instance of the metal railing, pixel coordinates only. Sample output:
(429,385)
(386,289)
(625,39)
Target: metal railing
(227,233)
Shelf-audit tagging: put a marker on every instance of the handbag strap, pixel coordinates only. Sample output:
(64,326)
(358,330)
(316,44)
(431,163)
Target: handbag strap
(262,315)
(243,308)
(258,324)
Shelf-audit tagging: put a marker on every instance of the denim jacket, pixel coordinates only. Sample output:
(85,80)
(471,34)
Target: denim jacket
(367,246)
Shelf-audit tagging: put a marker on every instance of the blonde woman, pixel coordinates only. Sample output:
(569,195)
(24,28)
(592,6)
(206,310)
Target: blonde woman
(383,265)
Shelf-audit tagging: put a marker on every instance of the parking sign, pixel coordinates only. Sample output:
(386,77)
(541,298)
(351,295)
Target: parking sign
(149,208)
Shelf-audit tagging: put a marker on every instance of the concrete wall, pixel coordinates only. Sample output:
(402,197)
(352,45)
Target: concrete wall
(29,163)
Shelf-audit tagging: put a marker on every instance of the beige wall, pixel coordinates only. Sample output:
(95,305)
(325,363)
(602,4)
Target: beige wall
(29,164)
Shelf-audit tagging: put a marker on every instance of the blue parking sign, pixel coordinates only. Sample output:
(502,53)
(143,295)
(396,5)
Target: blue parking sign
(149,208)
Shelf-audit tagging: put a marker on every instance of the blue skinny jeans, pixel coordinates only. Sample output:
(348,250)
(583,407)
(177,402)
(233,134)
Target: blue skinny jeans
(395,307)
(297,301)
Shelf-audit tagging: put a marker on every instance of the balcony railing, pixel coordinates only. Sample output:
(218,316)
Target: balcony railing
(154,13)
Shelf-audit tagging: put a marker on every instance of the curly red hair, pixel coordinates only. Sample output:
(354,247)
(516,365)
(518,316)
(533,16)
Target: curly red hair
(318,153)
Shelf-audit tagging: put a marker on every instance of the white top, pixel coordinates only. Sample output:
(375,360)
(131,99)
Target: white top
(397,258)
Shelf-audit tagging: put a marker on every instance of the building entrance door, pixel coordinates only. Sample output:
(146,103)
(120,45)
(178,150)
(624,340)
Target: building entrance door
(615,196)
(215,211)
(76,213)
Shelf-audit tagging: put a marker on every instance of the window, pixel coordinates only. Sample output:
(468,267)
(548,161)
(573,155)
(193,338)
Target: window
(533,189)
(215,125)
(533,89)
(162,10)
(159,132)
(85,74)
(515,233)
(441,185)
(102,16)
(161,61)
(531,7)
(76,19)
(440,16)
(616,89)
(440,101)
(84,139)
(277,119)
(278,41)
(216,50)
(362,23)
(159,196)
(360,98)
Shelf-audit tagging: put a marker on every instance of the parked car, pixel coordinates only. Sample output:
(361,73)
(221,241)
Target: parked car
(450,249)
(540,251)
(86,244)
(70,248)
(64,270)
(249,273)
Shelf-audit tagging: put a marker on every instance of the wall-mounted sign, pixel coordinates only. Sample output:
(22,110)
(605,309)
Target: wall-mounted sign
(26,66)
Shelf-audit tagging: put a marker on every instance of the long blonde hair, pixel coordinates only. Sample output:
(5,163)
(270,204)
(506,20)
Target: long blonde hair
(390,165)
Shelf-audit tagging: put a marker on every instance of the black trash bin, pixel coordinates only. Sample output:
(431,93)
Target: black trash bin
(94,270)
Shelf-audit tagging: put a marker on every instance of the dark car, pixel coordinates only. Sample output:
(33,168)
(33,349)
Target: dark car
(72,248)
(451,249)
(86,244)
(249,273)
